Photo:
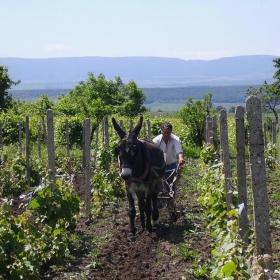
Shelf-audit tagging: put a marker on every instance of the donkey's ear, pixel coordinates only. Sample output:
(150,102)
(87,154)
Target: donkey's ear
(119,130)
(138,127)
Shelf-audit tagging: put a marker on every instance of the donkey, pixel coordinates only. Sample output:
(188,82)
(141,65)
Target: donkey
(142,167)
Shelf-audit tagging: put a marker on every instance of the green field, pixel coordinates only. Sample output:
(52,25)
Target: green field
(176,106)
(165,107)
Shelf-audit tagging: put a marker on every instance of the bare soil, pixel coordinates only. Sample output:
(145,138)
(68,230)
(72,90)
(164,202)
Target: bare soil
(101,250)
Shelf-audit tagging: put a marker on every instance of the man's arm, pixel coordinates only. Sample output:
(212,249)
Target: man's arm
(179,150)
(181,158)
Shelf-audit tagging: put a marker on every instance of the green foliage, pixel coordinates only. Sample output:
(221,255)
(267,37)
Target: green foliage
(219,108)
(230,254)
(97,97)
(5,84)
(26,248)
(209,154)
(57,206)
(75,129)
(270,154)
(13,177)
(156,126)
(191,152)
(13,174)
(65,164)
(194,114)
(232,109)
(133,99)
(41,105)
(269,94)
(186,252)
(106,182)
(10,131)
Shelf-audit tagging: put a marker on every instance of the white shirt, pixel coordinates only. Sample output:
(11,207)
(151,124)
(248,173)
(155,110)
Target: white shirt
(171,149)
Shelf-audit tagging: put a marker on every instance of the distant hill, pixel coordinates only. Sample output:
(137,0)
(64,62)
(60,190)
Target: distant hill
(147,72)
(220,94)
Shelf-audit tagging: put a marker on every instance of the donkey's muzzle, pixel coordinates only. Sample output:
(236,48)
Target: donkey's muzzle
(126,173)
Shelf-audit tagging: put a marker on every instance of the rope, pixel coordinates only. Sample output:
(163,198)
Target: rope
(175,170)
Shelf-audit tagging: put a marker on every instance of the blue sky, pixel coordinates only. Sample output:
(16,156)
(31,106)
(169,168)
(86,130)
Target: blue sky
(187,29)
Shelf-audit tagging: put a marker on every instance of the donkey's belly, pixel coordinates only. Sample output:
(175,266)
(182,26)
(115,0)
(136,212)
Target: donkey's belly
(141,186)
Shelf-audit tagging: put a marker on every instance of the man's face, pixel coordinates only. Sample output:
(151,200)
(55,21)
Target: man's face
(166,133)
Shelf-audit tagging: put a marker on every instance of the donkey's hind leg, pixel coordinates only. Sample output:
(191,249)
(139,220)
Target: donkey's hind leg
(148,211)
(141,205)
(155,213)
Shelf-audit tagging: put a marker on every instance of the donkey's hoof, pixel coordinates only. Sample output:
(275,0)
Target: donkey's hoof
(131,237)
(155,214)
(149,228)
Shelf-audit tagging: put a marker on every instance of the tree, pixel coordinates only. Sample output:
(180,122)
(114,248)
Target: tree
(232,109)
(219,108)
(97,97)
(269,97)
(269,94)
(5,84)
(194,114)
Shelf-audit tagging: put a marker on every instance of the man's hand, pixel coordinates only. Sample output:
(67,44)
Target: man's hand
(181,161)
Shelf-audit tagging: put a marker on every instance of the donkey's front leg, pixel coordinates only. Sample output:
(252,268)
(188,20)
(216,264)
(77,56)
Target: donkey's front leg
(155,213)
(131,214)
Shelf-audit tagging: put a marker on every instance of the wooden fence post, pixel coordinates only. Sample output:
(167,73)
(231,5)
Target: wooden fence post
(208,129)
(44,128)
(50,145)
(83,144)
(103,131)
(258,172)
(19,139)
(264,132)
(144,129)
(27,150)
(1,136)
(39,141)
(241,174)
(106,131)
(149,130)
(96,146)
(214,128)
(87,168)
(67,145)
(273,132)
(225,157)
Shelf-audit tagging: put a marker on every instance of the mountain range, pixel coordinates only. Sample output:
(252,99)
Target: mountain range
(66,72)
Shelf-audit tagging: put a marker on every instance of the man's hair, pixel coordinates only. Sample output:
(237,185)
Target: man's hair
(166,125)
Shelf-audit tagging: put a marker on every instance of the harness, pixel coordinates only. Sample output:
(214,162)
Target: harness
(144,175)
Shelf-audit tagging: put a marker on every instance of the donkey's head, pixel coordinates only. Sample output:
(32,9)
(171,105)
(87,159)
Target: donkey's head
(128,149)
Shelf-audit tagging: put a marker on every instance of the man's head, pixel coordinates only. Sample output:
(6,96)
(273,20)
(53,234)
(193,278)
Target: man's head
(166,130)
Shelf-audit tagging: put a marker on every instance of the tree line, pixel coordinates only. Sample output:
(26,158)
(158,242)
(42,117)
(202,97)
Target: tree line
(97,97)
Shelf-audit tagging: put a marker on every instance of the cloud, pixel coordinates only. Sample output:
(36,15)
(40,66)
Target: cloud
(4,53)
(277,52)
(53,48)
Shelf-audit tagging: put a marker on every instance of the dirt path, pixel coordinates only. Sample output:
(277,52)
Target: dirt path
(102,250)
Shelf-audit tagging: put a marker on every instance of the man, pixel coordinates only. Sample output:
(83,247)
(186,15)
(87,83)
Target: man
(171,146)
